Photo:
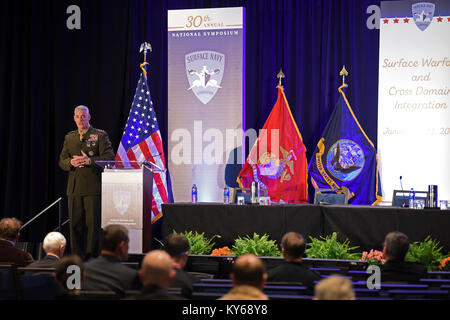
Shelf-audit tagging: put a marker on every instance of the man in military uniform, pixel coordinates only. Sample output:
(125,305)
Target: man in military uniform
(81,149)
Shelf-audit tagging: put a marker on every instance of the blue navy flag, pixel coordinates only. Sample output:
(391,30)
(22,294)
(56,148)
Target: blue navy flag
(346,158)
(141,141)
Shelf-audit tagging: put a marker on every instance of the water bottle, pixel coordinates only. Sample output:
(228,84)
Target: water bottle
(194,194)
(226,195)
(411,198)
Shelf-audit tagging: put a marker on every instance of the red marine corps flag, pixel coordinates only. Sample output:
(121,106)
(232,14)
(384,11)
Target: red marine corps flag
(277,161)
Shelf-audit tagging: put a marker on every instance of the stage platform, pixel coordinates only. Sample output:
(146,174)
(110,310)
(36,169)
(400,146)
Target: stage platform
(364,226)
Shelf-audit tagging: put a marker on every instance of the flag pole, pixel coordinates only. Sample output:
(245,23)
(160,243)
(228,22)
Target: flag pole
(145,46)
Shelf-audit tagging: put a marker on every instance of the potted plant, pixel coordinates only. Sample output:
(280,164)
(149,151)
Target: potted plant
(257,245)
(425,252)
(199,243)
(330,248)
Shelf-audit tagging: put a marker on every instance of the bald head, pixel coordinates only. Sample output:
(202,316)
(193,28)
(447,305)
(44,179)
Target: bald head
(248,269)
(157,269)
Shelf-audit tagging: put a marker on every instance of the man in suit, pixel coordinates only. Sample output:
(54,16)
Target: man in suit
(177,246)
(9,235)
(156,274)
(292,268)
(248,277)
(396,269)
(54,246)
(106,272)
(81,149)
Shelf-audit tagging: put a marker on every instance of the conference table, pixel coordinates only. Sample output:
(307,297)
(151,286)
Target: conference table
(363,226)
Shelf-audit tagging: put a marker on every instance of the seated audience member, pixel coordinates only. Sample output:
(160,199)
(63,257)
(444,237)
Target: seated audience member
(292,268)
(106,272)
(69,284)
(334,288)
(248,277)
(396,269)
(54,246)
(177,246)
(156,275)
(9,235)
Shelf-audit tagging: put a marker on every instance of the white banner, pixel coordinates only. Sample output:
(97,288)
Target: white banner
(205,98)
(414,96)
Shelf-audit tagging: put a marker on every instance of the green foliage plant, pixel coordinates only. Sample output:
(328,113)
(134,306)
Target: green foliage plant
(425,252)
(199,243)
(330,248)
(257,245)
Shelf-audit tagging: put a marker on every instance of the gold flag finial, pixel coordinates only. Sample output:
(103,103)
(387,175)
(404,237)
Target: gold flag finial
(145,47)
(280,76)
(343,73)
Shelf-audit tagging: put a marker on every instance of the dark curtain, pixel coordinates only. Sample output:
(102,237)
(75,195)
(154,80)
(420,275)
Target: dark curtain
(46,70)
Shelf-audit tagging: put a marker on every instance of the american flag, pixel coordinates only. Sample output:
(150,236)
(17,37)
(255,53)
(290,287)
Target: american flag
(141,141)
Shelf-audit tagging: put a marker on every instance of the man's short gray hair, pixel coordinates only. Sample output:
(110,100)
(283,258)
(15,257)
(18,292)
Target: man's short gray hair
(53,241)
(81,107)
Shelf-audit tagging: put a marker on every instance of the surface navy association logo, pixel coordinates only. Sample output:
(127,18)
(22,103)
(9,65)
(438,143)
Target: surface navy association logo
(122,201)
(204,70)
(423,13)
(345,160)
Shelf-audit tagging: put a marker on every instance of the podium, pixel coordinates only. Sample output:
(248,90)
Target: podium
(127,200)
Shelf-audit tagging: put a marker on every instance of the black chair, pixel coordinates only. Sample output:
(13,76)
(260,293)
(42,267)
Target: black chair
(400,198)
(40,285)
(9,282)
(331,196)
(98,295)
(246,193)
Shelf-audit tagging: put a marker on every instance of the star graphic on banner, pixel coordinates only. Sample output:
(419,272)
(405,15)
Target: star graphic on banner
(448,19)
(386,21)
(406,20)
(439,19)
(395,20)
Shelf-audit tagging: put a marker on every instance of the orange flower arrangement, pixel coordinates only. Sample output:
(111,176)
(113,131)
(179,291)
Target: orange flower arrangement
(445,264)
(224,251)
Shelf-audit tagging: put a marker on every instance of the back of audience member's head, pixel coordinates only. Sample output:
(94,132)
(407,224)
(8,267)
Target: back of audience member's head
(396,245)
(156,269)
(115,241)
(334,288)
(177,246)
(249,270)
(10,229)
(293,245)
(63,272)
(54,242)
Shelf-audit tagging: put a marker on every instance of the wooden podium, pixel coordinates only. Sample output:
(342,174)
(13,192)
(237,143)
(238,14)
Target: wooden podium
(127,200)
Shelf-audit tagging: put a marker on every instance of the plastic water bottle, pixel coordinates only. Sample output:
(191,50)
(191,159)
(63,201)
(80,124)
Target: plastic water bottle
(194,193)
(226,195)
(411,198)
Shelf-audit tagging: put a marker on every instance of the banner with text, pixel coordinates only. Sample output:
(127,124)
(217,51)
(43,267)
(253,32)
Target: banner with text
(414,96)
(205,98)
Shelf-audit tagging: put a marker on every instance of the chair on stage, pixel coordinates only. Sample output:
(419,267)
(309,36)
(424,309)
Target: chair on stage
(246,193)
(400,198)
(9,282)
(331,196)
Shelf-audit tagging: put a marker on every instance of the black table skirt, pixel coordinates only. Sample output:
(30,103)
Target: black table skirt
(364,226)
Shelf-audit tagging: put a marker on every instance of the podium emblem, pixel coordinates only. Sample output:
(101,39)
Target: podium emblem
(122,200)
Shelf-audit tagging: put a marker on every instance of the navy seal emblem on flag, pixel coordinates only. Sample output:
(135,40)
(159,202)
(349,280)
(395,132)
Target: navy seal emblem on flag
(345,160)
(204,70)
(423,13)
